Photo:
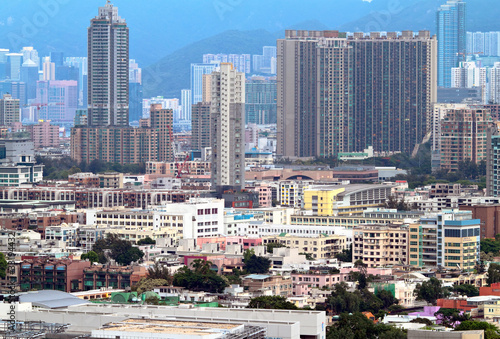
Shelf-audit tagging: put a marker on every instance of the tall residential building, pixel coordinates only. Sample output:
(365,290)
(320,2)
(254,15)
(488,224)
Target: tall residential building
(197,72)
(228,127)
(493,162)
(468,75)
(135,101)
(451,35)
(186,104)
(200,126)
(44,134)
(485,43)
(206,88)
(108,69)
(9,110)
(107,136)
(495,84)
(332,97)
(265,63)
(464,136)
(260,101)
(3,63)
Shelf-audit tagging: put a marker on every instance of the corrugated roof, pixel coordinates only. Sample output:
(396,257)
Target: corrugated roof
(51,299)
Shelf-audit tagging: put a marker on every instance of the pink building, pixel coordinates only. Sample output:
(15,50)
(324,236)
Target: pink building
(220,263)
(57,100)
(44,134)
(265,194)
(317,279)
(224,241)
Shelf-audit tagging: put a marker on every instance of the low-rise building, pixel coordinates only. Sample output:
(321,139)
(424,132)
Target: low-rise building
(263,284)
(99,276)
(380,245)
(322,246)
(84,179)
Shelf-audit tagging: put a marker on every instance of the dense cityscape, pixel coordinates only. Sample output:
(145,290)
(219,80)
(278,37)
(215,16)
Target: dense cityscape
(334,184)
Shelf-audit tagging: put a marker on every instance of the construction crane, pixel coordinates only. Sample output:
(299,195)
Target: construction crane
(183,168)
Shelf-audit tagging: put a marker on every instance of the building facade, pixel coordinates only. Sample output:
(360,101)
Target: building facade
(451,34)
(200,126)
(228,127)
(343,103)
(9,110)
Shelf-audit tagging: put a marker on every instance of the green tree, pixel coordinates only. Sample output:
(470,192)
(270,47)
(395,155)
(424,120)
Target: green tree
(451,316)
(430,291)
(387,298)
(493,274)
(158,271)
(200,278)
(117,249)
(91,255)
(256,264)
(345,255)
(3,265)
(152,300)
(358,326)
(490,246)
(271,302)
(466,289)
(309,256)
(146,241)
(148,284)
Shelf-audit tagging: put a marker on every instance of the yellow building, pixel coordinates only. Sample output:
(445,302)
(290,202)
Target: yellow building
(320,247)
(345,199)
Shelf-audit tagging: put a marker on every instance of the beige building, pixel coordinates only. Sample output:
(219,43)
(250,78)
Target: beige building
(320,247)
(111,180)
(228,127)
(9,110)
(260,284)
(380,245)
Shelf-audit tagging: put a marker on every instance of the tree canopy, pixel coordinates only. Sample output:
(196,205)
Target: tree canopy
(493,274)
(117,249)
(358,326)
(3,265)
(255,264)
(431,291)
(271,302)
(200,277)
(146,241)
(466,289)
(91,255)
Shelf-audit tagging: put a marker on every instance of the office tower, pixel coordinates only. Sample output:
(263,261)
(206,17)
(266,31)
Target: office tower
(14,62)
(492,161)
(29,53)
(57,101)
(9,110)
(451,35)
(464,136)
(108,69)
(135,101)
(260,101)
(81,63)
(186,104)
(162,121)
(18,91)
(228,127)
(49,70)
(197,72)
(67,72)
(29,75)
(57,58)
(200,126)
(343,102)
(81,117)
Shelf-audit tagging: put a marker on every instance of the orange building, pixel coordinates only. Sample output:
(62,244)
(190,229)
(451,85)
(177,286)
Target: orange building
(494,289)
(459,304)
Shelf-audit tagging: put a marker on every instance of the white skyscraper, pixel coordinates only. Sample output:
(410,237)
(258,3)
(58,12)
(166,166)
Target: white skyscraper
(228,127)
(186,104)
(495,83)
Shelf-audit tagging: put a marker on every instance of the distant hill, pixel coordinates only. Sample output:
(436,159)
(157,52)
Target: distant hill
(172,73)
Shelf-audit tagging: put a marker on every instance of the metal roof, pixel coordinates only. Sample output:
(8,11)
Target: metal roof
(51,299)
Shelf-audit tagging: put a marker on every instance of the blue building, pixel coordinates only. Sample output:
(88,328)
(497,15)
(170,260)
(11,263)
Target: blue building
(260,101)
(451,35)
(197,72)
(135,101)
